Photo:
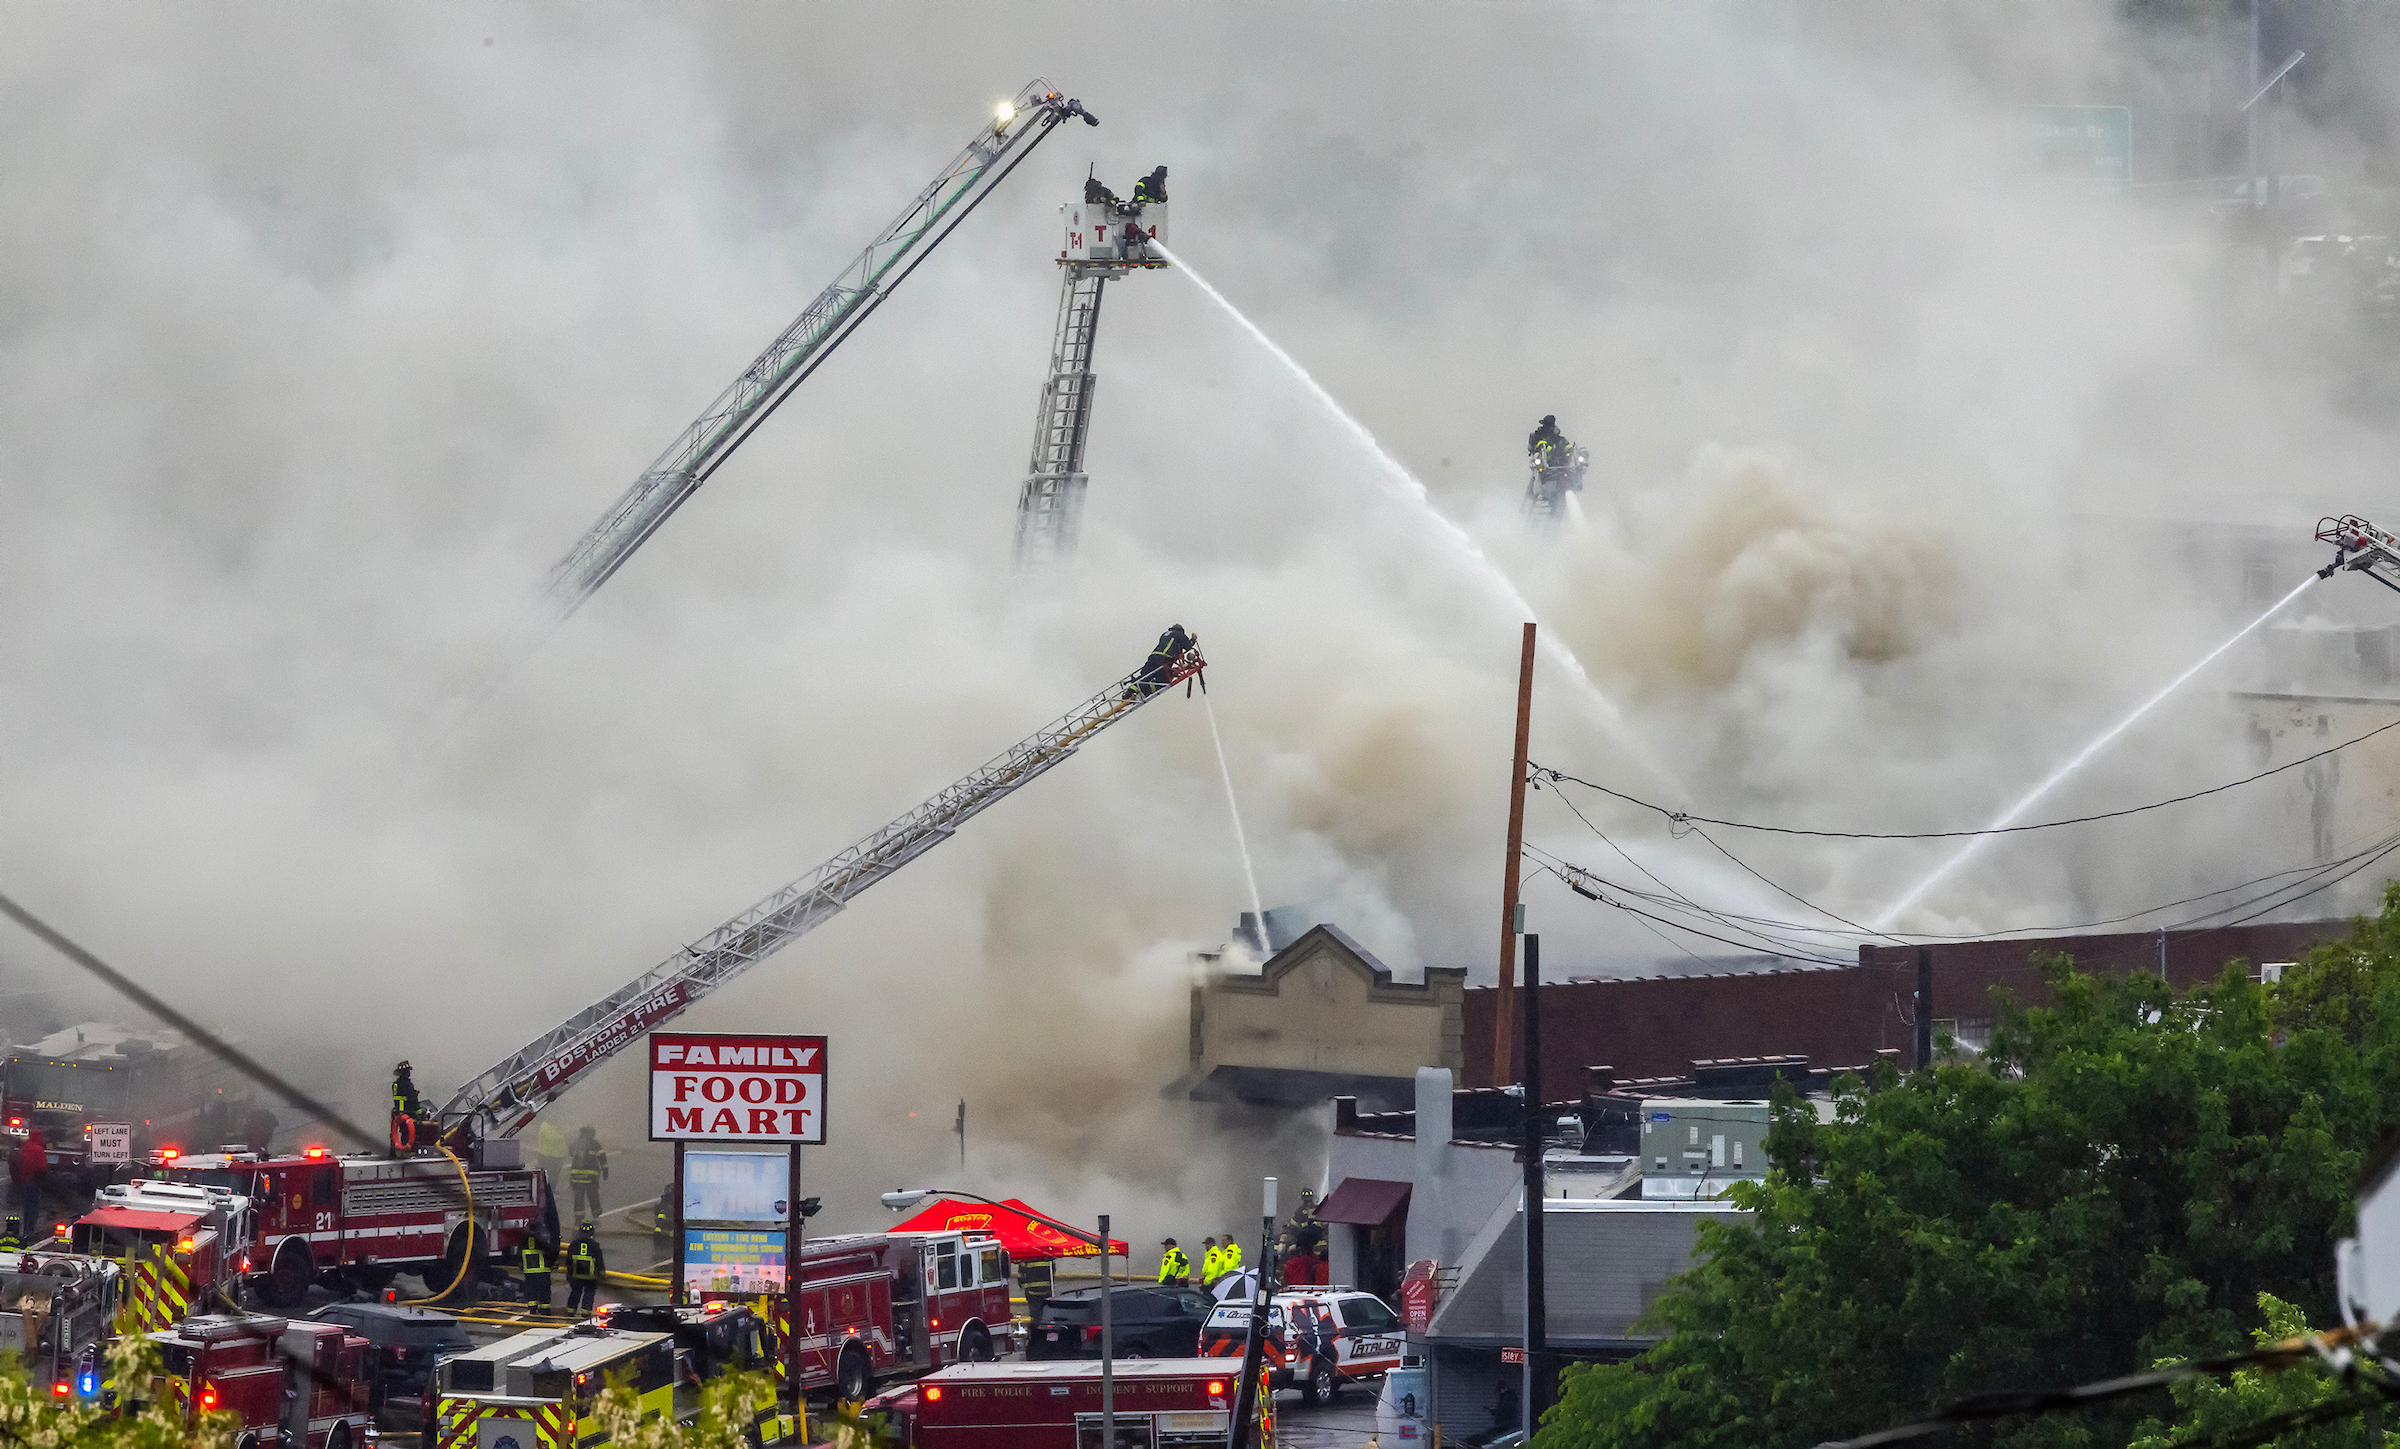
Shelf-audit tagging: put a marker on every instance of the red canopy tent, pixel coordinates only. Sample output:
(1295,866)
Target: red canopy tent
(1017,1232)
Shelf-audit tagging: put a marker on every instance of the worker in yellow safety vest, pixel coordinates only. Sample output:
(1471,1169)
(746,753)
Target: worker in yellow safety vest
(1229,1257)
(1209,1271)
(1173,1266)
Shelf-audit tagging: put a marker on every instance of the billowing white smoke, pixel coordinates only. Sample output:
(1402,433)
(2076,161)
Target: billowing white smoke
(324,332)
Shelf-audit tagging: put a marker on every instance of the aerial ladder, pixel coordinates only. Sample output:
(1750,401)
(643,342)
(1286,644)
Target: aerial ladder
(997,148)
(503,1099)
(1105,238)
(1553,473)
(2360,547)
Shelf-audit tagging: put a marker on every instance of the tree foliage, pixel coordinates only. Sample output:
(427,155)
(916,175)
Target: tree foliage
(2116,1182)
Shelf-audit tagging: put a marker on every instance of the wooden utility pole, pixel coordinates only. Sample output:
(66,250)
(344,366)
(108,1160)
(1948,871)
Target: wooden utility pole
(1504,1006)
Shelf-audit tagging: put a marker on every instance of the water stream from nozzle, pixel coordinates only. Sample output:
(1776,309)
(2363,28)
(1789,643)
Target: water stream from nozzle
(1408,489)
(1241,839)
(2082,757)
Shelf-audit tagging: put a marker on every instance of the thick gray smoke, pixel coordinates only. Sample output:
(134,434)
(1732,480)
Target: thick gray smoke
(324,331)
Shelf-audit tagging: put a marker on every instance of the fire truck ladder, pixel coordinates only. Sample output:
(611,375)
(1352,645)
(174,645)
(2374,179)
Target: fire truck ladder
(1050,503)
(1009,137)
(505,1098)
(1552,479)
(2360,547)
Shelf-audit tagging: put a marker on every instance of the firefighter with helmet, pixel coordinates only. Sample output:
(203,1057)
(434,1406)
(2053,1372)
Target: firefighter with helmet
(533,1260)
(12,1235)
(1548,447)
(586,1265)
(587,1164)
(408,1109)
(1172,646)
(1173,1266)
(1150,188)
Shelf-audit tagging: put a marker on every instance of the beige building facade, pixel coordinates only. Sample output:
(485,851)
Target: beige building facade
(1319,1015)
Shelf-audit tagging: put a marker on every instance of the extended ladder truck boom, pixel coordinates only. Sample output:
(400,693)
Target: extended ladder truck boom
(506,1097)
(2360,547)
(1008,138)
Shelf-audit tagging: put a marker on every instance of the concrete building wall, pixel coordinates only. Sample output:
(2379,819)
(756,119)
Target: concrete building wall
(1325,1004)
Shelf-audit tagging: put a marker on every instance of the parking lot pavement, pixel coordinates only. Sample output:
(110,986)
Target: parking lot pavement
(1346,1423)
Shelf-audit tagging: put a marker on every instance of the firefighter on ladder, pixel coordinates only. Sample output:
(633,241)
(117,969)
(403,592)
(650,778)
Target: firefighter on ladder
(586,1165)
(1171,647)
(586,1265)
(1548,447)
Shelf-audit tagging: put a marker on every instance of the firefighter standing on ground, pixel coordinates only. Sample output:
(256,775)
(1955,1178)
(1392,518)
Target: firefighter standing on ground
(1173,1266)
(533,1260)
(587,1165)
(585,1265)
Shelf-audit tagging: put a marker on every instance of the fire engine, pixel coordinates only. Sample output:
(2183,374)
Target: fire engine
(180,1246)
(289,1385)
(887,1305)
(358,1220)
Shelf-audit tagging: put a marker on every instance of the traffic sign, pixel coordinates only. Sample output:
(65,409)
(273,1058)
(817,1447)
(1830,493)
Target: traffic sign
(112,1142)
(2091,144)
(722,1087)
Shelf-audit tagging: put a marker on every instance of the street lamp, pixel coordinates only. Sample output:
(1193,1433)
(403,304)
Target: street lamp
(909,1197)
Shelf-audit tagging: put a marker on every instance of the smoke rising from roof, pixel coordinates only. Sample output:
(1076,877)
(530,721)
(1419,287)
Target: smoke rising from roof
(325,331)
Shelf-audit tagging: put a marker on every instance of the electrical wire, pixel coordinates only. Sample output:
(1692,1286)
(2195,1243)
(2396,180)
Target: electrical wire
(1680,817)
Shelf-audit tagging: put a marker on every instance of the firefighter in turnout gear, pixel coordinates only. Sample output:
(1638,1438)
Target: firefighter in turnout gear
(1172,646)
(1548,447)
(585,1266)
(533,1260)
(408,1111)
(12,1236)
(1152,187)
(1173,1266)
(587,1164)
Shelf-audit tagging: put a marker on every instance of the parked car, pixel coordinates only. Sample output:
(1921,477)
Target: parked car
(407,1342)
(1318,1339)
(1151,1320)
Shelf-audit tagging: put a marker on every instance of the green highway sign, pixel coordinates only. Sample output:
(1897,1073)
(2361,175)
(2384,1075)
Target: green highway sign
(2091,144)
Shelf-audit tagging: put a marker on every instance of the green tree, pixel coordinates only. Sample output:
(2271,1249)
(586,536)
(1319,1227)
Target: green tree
(2115,1183)
(2212,1407)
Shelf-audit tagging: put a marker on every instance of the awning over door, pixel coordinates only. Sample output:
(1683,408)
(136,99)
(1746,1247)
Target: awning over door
(1366,1202)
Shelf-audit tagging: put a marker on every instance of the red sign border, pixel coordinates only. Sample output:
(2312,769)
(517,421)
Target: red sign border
(824,1074)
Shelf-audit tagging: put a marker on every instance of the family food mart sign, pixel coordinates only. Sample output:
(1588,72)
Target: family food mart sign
(716,1087)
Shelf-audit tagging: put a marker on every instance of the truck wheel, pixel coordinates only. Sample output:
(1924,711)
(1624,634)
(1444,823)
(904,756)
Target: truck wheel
(1322,1383)
(339,1438)
(855,1381)
(287,1282)
(976,1347)
(465,1249)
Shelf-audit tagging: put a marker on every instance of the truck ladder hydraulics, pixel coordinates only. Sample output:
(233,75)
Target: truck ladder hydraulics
(1009,137)
(506,1097)
(2360,547)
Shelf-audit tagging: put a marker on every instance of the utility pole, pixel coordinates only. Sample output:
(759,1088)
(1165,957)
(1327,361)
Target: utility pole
(1245,1401)
(1924,1007)
(1504,1003)
(1108,1349)
(1537,1308)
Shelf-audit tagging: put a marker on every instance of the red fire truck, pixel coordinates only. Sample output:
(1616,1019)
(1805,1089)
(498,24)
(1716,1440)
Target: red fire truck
(1162,1402)
(887,1305)
(359,1220)
(290,1385)
(180,1246)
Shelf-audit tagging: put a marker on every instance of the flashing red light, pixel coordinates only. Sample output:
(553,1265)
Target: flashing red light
(314,1152)
(16,1121)
(933,1393)
(208,1397)
(937,1323)
(59,1389)
(169,1153)
(183,1245)
(1216,1386)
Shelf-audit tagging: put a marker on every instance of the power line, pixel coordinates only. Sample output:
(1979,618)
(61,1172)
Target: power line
(1685,817)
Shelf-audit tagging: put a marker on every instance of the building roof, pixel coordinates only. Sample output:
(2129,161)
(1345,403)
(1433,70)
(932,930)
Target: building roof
(1604,1263)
